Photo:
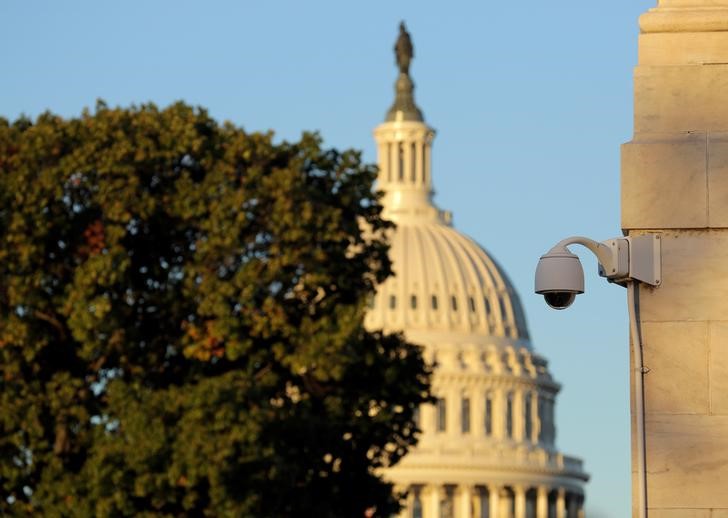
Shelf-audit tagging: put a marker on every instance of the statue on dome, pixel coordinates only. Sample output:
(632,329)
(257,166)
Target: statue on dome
(404,50)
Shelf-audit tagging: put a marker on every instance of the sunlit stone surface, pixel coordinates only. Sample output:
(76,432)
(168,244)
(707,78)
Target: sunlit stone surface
(675,181)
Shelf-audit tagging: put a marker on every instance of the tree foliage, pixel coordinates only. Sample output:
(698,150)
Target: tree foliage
(181,308)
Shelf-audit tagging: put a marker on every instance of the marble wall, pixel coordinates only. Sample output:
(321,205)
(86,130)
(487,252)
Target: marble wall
(675,182)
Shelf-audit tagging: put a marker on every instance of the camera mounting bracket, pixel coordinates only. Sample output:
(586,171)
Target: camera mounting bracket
(623,259)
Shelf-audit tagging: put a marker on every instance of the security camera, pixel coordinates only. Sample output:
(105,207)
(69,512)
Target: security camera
(560,277)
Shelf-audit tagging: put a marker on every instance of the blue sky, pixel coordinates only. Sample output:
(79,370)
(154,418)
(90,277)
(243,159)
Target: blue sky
(531,101)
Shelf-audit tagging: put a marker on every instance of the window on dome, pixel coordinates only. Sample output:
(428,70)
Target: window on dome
(504,310)
(413,162)
(447,503)
(454,303)
(417,506)
(434,302)
(488,415)
(520,318)
(528,419)
(413,301)
(509,416)
(472,304)
(484,502)
(552,426)
(465,415)
(392,302)
(400,153)
(486,302)
(441,415)
(532,502)
(541,419)
(547,433)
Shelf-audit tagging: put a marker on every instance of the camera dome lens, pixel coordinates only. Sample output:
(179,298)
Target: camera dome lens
(559,299)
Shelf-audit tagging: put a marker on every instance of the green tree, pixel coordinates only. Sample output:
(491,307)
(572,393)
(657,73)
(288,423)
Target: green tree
(181,308)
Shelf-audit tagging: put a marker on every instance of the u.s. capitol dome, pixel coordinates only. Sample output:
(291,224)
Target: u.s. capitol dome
(488,446)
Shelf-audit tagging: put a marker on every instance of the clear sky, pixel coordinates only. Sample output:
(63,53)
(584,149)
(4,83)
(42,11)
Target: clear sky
(531,101)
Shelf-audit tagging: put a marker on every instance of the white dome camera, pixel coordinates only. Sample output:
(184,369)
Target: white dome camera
(560,277)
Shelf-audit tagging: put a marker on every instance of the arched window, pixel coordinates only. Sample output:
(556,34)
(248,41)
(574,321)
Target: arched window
(527,416)
(488,415)
(454,303)
(400,153)
(413,301)
(392,302)
(503,309)
(547,434)
(541,419)
(417,505)
(484,502)
(433,300)
(509,416)
(465,415)
(413,163)
(447,504)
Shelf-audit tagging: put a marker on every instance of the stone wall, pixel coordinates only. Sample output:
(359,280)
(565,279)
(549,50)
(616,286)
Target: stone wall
(675,181)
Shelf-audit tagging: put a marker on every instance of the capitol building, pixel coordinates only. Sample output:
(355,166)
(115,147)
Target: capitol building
(488,445)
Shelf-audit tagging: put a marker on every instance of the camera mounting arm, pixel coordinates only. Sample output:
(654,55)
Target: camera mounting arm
(623,259)
(607,253)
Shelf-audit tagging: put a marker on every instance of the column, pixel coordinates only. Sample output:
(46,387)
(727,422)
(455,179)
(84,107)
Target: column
(464,501)
(518,424)
(537,421)
(428,164)
(561,503)
(494,497)
(477,412)
(519,493)
(454,408)
(428,417)
(499,411)
(406,511)
(383,162)
(419,166)
(431,501)
(408,162)
(542,502)
(478,501)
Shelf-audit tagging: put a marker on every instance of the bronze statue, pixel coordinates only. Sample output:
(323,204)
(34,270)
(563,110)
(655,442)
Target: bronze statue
(404,107)
(404,49)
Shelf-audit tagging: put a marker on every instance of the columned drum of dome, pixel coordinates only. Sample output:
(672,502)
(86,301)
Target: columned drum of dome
(488,446)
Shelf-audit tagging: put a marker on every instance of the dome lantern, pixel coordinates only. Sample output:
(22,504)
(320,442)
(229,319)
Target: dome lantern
(404,144)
